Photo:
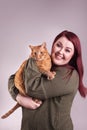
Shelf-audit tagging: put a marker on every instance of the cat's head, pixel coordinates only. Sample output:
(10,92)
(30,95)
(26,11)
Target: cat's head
(39,52)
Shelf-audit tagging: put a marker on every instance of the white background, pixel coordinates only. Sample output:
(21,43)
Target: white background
(24,22)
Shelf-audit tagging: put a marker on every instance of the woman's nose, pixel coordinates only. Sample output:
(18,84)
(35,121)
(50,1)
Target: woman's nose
(61,50)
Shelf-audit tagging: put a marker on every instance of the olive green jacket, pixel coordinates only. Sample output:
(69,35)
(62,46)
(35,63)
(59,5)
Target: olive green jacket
(57,96)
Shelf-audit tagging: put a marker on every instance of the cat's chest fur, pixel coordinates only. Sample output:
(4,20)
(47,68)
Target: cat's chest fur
(44,65)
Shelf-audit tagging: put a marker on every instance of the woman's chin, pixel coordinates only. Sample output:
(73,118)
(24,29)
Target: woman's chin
(57,62)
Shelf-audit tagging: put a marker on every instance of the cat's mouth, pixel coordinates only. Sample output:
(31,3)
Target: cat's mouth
(39,59)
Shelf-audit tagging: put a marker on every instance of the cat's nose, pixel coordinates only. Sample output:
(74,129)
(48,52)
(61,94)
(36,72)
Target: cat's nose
(37,57)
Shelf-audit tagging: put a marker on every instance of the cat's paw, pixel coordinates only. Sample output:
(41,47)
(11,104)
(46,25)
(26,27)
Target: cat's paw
(52,75)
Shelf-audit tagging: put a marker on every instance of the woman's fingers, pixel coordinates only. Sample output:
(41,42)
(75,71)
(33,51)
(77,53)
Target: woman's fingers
(36,104)
(28,102)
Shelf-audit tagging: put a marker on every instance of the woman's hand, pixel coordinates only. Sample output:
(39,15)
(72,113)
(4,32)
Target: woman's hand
(27,102)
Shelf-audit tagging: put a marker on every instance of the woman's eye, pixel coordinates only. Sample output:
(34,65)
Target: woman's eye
(67,50)
(59,45)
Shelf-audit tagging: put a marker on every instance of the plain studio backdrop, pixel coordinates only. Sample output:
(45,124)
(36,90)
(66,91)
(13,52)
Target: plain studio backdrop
(24,22)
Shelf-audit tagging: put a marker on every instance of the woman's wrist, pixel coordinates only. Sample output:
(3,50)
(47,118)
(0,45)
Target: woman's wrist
(18,98)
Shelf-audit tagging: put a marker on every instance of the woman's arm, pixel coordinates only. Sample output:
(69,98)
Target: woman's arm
(39,86)
(27,101)
(11,87)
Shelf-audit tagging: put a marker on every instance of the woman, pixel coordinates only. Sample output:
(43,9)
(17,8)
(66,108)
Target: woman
(56,96)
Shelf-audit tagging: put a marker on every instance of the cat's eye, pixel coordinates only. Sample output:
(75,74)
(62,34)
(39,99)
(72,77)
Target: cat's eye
(41,52)
(35,53)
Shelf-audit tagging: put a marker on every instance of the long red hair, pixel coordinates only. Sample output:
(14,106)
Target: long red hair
(76,60)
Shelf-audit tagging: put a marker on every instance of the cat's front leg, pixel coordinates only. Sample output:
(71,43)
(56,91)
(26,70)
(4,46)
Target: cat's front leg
(50,75)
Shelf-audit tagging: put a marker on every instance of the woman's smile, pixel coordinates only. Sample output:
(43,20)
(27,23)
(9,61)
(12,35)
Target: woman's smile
(59,56)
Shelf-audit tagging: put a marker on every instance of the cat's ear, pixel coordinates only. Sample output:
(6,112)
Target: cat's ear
(31,47)
(43,45)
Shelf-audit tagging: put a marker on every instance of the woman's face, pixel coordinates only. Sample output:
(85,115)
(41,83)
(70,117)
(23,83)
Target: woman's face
(62,51)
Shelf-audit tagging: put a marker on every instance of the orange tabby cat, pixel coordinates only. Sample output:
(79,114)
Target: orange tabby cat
(43,62)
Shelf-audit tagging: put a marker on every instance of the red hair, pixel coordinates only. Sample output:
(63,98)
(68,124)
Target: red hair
(76,60)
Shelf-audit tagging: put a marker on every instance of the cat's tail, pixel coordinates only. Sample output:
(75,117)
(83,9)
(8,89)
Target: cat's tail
(10,111)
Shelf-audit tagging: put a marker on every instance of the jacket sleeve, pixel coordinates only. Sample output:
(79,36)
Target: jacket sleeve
(11,87)
(38,86)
